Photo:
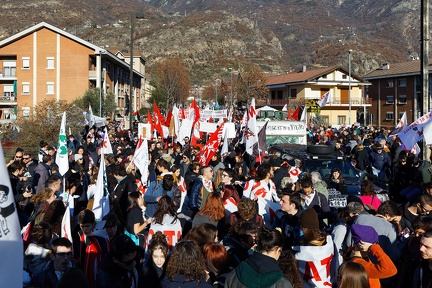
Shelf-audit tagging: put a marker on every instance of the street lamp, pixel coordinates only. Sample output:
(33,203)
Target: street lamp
(349,87)
(131,92)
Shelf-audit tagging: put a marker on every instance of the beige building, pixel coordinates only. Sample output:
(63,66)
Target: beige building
(45,62)
(306,87)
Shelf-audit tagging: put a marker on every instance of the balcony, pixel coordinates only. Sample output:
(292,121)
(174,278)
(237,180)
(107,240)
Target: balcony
(7,76)
(282,102)
(8,100)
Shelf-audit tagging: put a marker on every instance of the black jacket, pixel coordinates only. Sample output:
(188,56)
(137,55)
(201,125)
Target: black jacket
(112,276)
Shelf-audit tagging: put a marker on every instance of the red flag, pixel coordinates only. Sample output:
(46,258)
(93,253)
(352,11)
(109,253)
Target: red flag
(150,121)
(196,110)
(296,114)
(290,113)
(211,147)
(158,119)
(196,134)
(168,118)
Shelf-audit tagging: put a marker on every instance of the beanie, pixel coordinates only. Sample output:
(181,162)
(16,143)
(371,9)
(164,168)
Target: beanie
(364,233)
(309,219)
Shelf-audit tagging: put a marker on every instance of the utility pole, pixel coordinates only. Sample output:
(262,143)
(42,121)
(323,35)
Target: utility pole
(424,65)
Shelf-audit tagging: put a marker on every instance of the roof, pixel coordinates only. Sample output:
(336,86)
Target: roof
(306,76)
(398,69)
(41,25)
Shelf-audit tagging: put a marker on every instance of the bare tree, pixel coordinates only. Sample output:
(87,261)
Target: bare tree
(173,80)
(250,83)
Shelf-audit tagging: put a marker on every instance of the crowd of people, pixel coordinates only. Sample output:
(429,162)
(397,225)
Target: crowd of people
(240,221)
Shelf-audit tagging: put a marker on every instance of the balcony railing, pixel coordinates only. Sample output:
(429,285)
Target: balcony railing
(8,98)
(334,102)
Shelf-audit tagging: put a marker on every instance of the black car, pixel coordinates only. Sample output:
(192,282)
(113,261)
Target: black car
(321,158)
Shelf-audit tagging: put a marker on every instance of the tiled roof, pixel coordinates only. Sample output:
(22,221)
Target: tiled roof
(403,68)
(299,76)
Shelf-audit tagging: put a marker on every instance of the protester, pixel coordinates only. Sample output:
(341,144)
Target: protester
(154,269)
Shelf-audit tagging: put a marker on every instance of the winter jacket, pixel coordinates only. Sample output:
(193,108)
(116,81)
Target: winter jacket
(384,267)
(258,271)
(112,276)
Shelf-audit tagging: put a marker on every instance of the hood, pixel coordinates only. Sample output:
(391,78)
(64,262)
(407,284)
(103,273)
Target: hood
(259,271)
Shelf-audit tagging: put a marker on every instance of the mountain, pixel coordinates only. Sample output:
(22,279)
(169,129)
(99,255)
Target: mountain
(213,35)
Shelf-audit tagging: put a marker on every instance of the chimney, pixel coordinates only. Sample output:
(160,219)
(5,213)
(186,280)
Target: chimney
(385,66)
(304,68)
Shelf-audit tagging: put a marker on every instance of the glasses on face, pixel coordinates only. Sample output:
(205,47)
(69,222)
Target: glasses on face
(64,254)
(18,157)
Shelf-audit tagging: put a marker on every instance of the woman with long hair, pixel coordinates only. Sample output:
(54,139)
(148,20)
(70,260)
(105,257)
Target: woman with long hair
(336,180)
(288,264)
(368,197)
(41,201)
(352,275)
(213,212)
(179,181)
(186,267)
(54,216)
(135,223)
(216,258)
(203,234)
(230,199)
(154,269)
(165,220)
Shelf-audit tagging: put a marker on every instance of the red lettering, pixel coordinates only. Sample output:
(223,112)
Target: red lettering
(326,262)
(170,235)
(311,272)
(261,193)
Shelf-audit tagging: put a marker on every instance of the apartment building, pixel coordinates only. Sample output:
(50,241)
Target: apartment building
(347,102)
(45,62)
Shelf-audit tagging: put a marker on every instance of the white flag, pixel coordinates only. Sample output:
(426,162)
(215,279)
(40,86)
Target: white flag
(251,132)
(62,153)
(324,99)
(428,133)
(175,115)
(106,147)
(224,149)
(401,124)
(90,120)
(285,107)
(413,133)
(11,243)
(66,230)
(101,201)
(303,115)
(141,159)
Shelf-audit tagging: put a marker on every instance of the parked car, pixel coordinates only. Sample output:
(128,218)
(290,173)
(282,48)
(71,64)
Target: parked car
(322,158)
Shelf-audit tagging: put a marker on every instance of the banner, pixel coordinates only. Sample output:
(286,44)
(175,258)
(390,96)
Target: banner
(415,131)
(144,131)
(11,244)
(207,114)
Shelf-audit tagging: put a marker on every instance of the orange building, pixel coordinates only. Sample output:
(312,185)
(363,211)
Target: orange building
(45,62)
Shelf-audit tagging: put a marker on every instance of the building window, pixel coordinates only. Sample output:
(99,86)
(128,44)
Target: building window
(273,95)
(390,100)
(389,116)
(341,120)
(50,63)
(50,88)
(402,99)
(26,63)
(280,94)
(26,88)
(9,68)
(401,115)
(26,111)
(390,83)
(402,82)
(326,120)
(324,77)
(8,90)
(293,93)
(344,76)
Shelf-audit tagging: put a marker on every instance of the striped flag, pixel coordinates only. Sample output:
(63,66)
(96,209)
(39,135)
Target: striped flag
(11,243)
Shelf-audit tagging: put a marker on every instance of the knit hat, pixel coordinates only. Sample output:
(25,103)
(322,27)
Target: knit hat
(309,219)
(187,154)
(363,233)
(354,207)
(77,157)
